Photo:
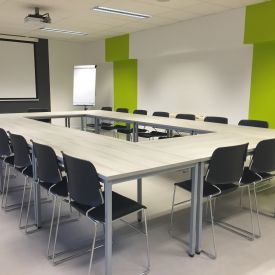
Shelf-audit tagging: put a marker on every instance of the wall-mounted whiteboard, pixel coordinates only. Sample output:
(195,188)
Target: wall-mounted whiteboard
(17,70)
(84,85)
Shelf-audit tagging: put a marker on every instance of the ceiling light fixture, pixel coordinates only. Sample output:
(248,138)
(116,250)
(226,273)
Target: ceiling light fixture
(121,12)
(63,31)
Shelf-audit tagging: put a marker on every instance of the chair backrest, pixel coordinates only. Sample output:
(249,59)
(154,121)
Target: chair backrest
(107,109)
(46,163)
(186,116)
(122,110)
(40,110)
(83,181)
(253,123)
(140,112)
(216,119)
(162,114)
(5,149)
(21,151)
(263,159)
(226,164)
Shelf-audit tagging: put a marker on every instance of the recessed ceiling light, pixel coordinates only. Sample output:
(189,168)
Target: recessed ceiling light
(121,12)
(63,31)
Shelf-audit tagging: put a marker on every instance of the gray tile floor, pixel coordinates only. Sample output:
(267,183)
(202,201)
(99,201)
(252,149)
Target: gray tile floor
(25,254)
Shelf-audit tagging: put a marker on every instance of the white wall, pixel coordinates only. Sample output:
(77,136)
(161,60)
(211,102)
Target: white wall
(62,58)
(198,66)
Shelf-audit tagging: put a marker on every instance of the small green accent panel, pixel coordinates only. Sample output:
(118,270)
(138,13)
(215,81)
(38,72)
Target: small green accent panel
(262,96)
(117,48)
(125,84)
(260,23)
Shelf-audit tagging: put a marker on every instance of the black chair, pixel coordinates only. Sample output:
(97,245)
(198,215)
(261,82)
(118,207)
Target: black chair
(260,170)
(216,119)
(223,176)
(6,157)
(253,123)
(186,116)
(87,197)
(22,164)
(110,126)
(40,110)
(130,130)
(155,133)
(109,109)
(119,126)
(49,177)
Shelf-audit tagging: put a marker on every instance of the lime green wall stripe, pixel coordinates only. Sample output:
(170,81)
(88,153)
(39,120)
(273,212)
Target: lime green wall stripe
(125,72)
(262,97)
(125,84)
(260,31)
(259,23)
(117,48)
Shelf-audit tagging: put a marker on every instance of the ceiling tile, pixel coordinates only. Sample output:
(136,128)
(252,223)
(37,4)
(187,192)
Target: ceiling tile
(78,15)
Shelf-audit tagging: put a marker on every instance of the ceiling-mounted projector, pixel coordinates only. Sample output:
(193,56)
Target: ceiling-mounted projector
(37,18)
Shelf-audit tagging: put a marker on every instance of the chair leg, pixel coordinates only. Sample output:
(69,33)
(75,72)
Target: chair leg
(56,231)
(22,203)
(2,176)
(147,243)
(93,249)
(7,188)
(213,227)
(257,210)
(51,228)
(251,213)
(4,186)
(241,198)
(28,210)
(172,210)
(206,210)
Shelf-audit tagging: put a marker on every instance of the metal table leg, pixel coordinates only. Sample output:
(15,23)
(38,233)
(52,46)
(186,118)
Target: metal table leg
(97,129)
(69,122)
(199,208)
(135,132)
(193,223)
(139,198)
(128,126)
(82,123)
(66,122)
(108,227)
(37,194)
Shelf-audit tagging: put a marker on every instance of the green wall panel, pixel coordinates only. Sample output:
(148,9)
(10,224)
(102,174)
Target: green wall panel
(262,97)
(117,48)
(125,84)
(260,22)
(125,72)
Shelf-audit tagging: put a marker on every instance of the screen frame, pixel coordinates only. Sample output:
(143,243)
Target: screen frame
(35,72)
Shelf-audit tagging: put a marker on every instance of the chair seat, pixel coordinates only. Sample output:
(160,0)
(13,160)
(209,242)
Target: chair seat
(125,131)
(9,160)
(92,125)
(58,189)
(145,135)
(121,127)
(121,207)
(250,177)
(208,189)
(142,130)
(158,134)
(107,126)
(26,171)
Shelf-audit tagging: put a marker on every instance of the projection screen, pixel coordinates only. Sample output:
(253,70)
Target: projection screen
(17,71)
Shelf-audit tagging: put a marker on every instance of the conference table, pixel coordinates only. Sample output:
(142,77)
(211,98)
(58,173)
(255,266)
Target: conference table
(118,160)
